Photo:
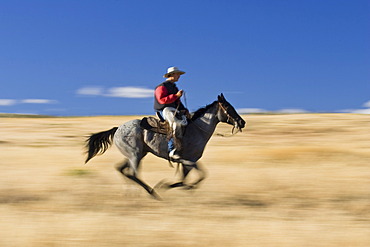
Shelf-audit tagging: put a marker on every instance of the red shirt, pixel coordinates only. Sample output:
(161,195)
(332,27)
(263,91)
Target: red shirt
(163,97)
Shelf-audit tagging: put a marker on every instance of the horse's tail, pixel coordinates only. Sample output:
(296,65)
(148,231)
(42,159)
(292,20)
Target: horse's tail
(98,143)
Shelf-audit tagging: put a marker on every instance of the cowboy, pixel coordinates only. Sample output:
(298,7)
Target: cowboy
(168,104)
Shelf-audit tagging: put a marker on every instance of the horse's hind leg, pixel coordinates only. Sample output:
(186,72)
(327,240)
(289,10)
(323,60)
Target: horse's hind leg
(128,188)
(121,166)
(130,171)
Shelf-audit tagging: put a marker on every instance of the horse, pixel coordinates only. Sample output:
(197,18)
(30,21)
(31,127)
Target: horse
(135,143)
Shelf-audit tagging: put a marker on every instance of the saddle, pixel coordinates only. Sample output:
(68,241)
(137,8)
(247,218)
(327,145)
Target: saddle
(155,125)
(158,125)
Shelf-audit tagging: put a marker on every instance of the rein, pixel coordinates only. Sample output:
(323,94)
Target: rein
(232,133)
(185,101)
(178,105)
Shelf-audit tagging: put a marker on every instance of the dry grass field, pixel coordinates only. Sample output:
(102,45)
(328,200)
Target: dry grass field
(287,180)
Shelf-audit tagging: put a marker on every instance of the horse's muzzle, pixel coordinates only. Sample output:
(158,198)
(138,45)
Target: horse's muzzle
(240,124)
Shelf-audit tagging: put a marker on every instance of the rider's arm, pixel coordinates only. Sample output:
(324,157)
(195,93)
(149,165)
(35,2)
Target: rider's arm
(163,97)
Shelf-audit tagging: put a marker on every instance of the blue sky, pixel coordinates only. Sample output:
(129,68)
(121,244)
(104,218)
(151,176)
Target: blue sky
(89,57)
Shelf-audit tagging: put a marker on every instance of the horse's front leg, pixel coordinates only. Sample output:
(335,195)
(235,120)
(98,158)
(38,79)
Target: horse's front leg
(164,184)
(201,176)
(186,168)
(185,171)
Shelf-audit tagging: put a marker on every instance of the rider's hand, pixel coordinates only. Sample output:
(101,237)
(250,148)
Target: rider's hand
(180,93)
(187,114)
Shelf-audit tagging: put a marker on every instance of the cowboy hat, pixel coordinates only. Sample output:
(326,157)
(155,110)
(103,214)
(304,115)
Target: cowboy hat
(172,70)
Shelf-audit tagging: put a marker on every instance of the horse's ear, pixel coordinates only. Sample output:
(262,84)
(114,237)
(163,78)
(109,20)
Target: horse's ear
(220,98)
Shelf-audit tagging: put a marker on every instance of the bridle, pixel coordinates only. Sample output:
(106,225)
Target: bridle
(228,120)
(225,111)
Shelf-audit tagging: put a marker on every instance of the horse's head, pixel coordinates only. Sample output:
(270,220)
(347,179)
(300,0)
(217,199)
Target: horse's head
(227,114)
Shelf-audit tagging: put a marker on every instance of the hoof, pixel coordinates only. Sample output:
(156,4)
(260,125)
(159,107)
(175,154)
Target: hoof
(162,185)
(155,195)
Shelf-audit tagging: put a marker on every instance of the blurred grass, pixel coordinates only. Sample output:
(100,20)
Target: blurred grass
(11,115)
(287,180)
(76,172)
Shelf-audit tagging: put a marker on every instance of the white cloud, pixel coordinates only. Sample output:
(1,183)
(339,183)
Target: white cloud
(90,91)
(259,110)
(7,102)
(292,111)
(26,113)
(367,104)
(10,102)
(361,111)
(356,111)
(119,92)
(250,110)
(130,92)
(38,101)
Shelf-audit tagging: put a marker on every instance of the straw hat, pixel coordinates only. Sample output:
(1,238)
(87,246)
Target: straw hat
(172,70)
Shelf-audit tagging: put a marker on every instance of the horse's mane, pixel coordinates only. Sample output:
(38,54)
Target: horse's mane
(200,112)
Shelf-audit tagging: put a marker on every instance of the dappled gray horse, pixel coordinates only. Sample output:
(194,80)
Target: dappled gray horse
(135,142)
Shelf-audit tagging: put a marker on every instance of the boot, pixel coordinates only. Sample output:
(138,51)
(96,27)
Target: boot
(174,156)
